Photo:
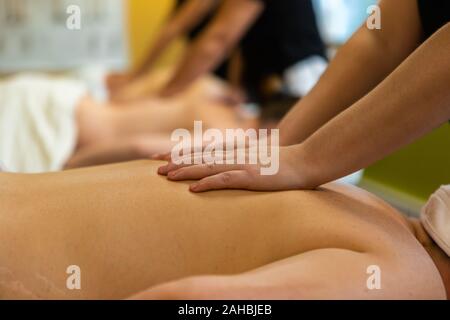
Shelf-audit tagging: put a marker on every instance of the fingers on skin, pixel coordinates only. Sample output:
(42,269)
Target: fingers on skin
(200,171)
(213,176)
(185,161)
(198,159)
(237,179)
(170,167)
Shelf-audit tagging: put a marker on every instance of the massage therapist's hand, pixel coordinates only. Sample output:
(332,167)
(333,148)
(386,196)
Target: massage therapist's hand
(292,174)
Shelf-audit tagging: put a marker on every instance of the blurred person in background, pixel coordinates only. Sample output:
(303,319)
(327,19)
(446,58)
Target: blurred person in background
(50,123)
(278,38)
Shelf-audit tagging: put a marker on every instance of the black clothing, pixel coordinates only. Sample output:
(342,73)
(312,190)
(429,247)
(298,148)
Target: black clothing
(284,34)
(434,15)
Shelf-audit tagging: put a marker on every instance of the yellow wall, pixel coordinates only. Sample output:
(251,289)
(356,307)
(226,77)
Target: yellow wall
(145,18)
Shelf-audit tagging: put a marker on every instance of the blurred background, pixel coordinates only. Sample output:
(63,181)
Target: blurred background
(34,35)
(116,34)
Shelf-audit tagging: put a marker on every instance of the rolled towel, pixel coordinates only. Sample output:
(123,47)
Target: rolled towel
(38,130)
(435,218)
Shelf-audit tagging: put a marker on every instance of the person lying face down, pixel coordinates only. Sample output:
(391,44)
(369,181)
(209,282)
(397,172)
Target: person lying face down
(48,123)
(128,230)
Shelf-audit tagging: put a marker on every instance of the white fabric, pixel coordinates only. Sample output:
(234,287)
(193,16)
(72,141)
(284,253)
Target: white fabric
(38,129)
(94,77)
(303,76)
(436,218)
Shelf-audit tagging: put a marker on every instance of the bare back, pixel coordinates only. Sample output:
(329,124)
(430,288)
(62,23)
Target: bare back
(129,229)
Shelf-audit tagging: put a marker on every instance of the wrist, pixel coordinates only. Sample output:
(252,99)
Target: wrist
(305,168)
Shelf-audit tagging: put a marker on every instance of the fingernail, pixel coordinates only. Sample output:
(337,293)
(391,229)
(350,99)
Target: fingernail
(172,174)
(161,170)
(194,187)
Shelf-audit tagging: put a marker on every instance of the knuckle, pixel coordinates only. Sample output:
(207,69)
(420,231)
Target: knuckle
(226,178)
(185,172)
(175,174)
(252,171)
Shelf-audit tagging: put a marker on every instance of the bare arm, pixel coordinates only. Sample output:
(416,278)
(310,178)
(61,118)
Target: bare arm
(185,19)
(189,15)
(412,101)
(230,24)
(308,276)
(359,66)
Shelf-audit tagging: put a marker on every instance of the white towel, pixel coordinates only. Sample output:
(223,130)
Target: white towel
(38,131)
(436,218)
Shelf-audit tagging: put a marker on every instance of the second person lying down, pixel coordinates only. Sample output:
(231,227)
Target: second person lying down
(48,123)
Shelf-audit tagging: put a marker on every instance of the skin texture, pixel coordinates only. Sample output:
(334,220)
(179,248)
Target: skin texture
(125,229)
(379,94)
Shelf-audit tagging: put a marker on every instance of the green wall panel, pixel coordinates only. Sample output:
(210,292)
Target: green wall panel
(418,169)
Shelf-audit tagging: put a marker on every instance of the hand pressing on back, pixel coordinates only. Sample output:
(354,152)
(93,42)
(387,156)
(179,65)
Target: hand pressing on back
(285,171)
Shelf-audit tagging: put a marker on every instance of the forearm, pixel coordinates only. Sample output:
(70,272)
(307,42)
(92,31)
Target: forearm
(189,15)
(367,58)
(201,58)
(228,27)
(358,67)
(412,101)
